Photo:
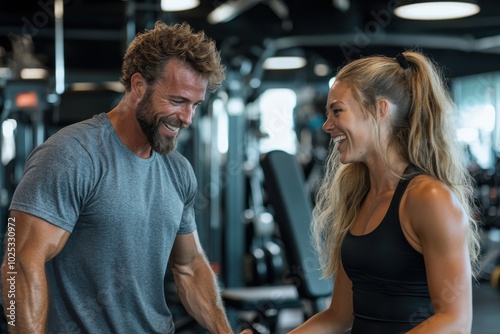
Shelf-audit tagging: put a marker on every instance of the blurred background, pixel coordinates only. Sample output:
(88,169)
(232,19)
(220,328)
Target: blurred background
(60,62)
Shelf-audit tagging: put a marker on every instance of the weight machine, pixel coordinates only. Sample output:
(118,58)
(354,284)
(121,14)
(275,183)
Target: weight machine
(25,105)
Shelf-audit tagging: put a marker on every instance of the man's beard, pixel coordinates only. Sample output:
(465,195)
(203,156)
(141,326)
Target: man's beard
(145,115)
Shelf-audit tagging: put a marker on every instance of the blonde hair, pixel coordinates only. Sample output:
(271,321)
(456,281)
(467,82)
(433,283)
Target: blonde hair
(149,52)
(423,134)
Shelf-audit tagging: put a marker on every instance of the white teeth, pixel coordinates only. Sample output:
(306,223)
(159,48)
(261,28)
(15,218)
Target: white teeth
(171,127)
(338,139)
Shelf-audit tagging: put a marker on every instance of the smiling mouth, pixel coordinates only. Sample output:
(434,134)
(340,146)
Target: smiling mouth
(171,128)
(339,139)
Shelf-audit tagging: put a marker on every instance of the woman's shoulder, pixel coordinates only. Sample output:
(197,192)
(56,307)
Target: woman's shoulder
(428,200)
(425,188)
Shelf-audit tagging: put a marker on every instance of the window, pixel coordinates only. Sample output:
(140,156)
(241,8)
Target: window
(276,108)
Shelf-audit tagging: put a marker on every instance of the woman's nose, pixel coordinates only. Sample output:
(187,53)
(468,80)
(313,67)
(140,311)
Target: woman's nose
(328,125)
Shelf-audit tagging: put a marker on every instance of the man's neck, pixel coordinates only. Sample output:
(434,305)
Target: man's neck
(129,131)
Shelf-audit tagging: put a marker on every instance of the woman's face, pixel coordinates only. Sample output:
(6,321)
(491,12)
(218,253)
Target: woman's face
(352,131)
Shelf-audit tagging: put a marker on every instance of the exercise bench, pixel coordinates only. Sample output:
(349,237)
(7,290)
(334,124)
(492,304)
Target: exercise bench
(292,206)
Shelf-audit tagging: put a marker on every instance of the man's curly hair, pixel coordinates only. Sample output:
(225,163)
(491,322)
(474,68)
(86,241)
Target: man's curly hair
(149,52)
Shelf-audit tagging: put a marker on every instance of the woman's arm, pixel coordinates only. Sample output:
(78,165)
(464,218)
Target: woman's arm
(338,317)
(440,226)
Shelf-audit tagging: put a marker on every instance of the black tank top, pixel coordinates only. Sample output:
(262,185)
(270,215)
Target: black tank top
(389,284)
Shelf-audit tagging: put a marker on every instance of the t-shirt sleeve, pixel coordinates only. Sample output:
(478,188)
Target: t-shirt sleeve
(188,222)
(56,182)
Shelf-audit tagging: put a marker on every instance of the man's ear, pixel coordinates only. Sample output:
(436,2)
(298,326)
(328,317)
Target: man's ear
(138,85)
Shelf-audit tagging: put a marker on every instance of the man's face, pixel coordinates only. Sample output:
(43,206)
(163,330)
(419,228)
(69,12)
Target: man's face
(163,142)
(169,105)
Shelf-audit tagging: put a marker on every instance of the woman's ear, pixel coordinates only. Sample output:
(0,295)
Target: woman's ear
(383,116)
(383,106)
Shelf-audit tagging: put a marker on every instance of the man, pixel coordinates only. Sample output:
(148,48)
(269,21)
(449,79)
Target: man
(107,203)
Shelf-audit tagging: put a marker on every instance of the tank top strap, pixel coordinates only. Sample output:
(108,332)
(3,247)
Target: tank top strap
(409,173)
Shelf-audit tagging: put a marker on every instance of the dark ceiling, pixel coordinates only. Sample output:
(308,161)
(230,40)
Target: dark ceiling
(96,33)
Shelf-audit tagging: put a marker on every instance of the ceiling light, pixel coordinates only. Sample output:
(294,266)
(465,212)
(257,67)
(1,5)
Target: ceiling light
(436,10)
(321,70)
(229,10)
(176,5)
(34,73)
(284,63)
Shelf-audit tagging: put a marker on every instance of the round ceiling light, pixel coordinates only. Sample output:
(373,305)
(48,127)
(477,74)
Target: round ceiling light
(437,10)
(175,5)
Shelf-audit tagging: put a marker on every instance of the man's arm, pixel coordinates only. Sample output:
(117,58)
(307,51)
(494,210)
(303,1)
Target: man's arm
(30,242)
(196,283)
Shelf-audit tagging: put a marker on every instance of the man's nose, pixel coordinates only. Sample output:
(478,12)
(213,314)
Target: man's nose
(187,114)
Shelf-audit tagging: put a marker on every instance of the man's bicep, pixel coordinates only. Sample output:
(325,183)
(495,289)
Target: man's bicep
(186,247)
(35,238)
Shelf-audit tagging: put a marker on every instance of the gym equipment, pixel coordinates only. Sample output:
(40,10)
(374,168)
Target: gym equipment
(25,101)
(495,278)
(77,105)
(284,182)
(293,214)
(264,263)
(487,197)
(264,253)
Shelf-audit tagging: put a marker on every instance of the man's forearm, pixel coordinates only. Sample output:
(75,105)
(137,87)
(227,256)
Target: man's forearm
(25,299)
(200,296)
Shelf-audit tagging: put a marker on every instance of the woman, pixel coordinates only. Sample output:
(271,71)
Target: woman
(394,216)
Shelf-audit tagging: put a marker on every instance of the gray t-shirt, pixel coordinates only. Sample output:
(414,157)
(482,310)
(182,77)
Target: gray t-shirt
(123,213)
